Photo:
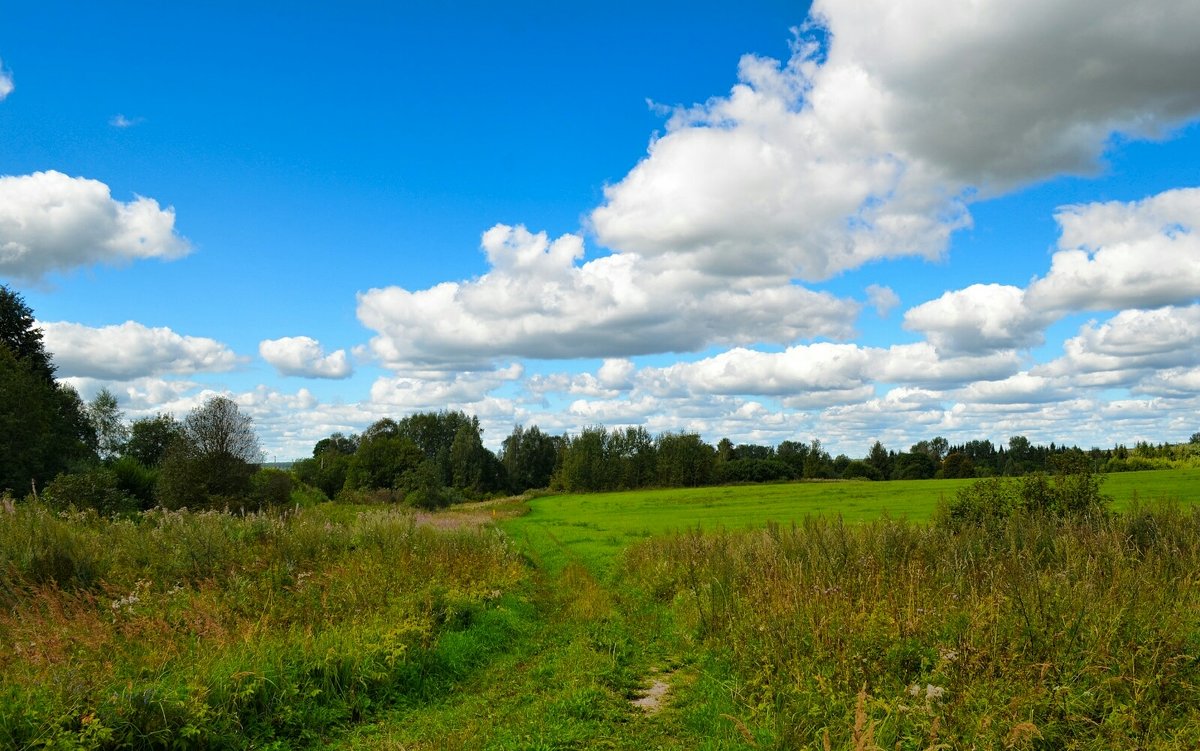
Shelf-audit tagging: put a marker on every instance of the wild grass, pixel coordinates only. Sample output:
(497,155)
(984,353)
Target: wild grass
(206,630)
(1040,633)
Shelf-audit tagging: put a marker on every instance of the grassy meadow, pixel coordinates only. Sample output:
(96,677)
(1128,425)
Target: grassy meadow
(794,616)
(597,527)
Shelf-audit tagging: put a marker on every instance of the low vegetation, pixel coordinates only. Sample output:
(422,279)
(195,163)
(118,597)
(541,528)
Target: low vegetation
(213,630)
(1035,631)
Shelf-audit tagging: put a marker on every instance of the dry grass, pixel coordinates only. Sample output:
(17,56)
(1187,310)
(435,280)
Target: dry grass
(1042,633)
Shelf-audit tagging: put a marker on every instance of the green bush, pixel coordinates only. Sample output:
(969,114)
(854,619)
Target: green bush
(135,480)
(96,488)
(270,488)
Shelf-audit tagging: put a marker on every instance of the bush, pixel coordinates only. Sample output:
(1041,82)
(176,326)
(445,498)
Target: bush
(135,480)
(1072,492)
(95,488)
(270,488)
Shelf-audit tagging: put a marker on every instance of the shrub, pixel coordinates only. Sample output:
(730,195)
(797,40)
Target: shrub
(1072,492)
(270,488)
(135,480)
(95,488)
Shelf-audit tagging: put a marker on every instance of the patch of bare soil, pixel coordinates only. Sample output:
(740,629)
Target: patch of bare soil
(652,699)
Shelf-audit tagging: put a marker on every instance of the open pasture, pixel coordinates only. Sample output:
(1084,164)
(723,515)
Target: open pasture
(595,528)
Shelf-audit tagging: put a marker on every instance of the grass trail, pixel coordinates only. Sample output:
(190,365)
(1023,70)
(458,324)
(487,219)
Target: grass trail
(584,652)
(588,642)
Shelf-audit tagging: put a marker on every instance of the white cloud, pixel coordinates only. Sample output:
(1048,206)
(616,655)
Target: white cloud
(303,356)
(920,364)
(536,302)
(120,121)
(792,173)
(882,299)
(1004,92)
(6,82)
(130,350)
(815,166)
(416,392)
(1172,383)
(978,319)
(1022,388)
(1115,255)
(1128,345)
(817,367)
(52,222)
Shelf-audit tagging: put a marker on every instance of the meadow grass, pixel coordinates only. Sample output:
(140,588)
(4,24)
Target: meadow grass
(209,630)
(598,527)
(803,615)
(885,634)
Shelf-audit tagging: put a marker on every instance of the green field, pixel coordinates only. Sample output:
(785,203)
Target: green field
(792,616)
(595,528)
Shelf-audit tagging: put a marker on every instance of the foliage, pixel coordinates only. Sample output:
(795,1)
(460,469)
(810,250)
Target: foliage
(104,414)
(753,470)
(270,488)
(382,458)
(151,437)
(529,457)
(21,337)
(211,463)
(43,427)
(94,488)
(135,480)
(1073,491)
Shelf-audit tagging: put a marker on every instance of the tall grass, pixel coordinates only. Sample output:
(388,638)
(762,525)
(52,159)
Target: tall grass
(1036,633)
(203,630)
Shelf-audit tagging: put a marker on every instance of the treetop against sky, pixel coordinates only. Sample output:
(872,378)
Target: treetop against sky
(858,221)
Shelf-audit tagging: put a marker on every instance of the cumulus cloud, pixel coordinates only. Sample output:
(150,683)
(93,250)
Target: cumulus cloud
(818,367)
(1111,256)
(1114,255)
(303,356)
(1129,344)
(872,147)
(415,392)
(978,319)
(6,82)
(130,350)
(882,299)
(52,222)
(1001,93)
(536,302)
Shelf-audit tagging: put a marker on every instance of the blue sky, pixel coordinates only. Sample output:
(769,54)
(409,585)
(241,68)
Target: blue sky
(761,221)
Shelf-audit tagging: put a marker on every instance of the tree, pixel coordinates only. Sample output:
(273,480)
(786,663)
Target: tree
(530,457)
(467,460)
(957,465)
(104,414)
(212,462)
(381,460)
(880,460)
(44,430)
(21,337)
(684,459)
(337,443)
(218,428)
(150,437)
